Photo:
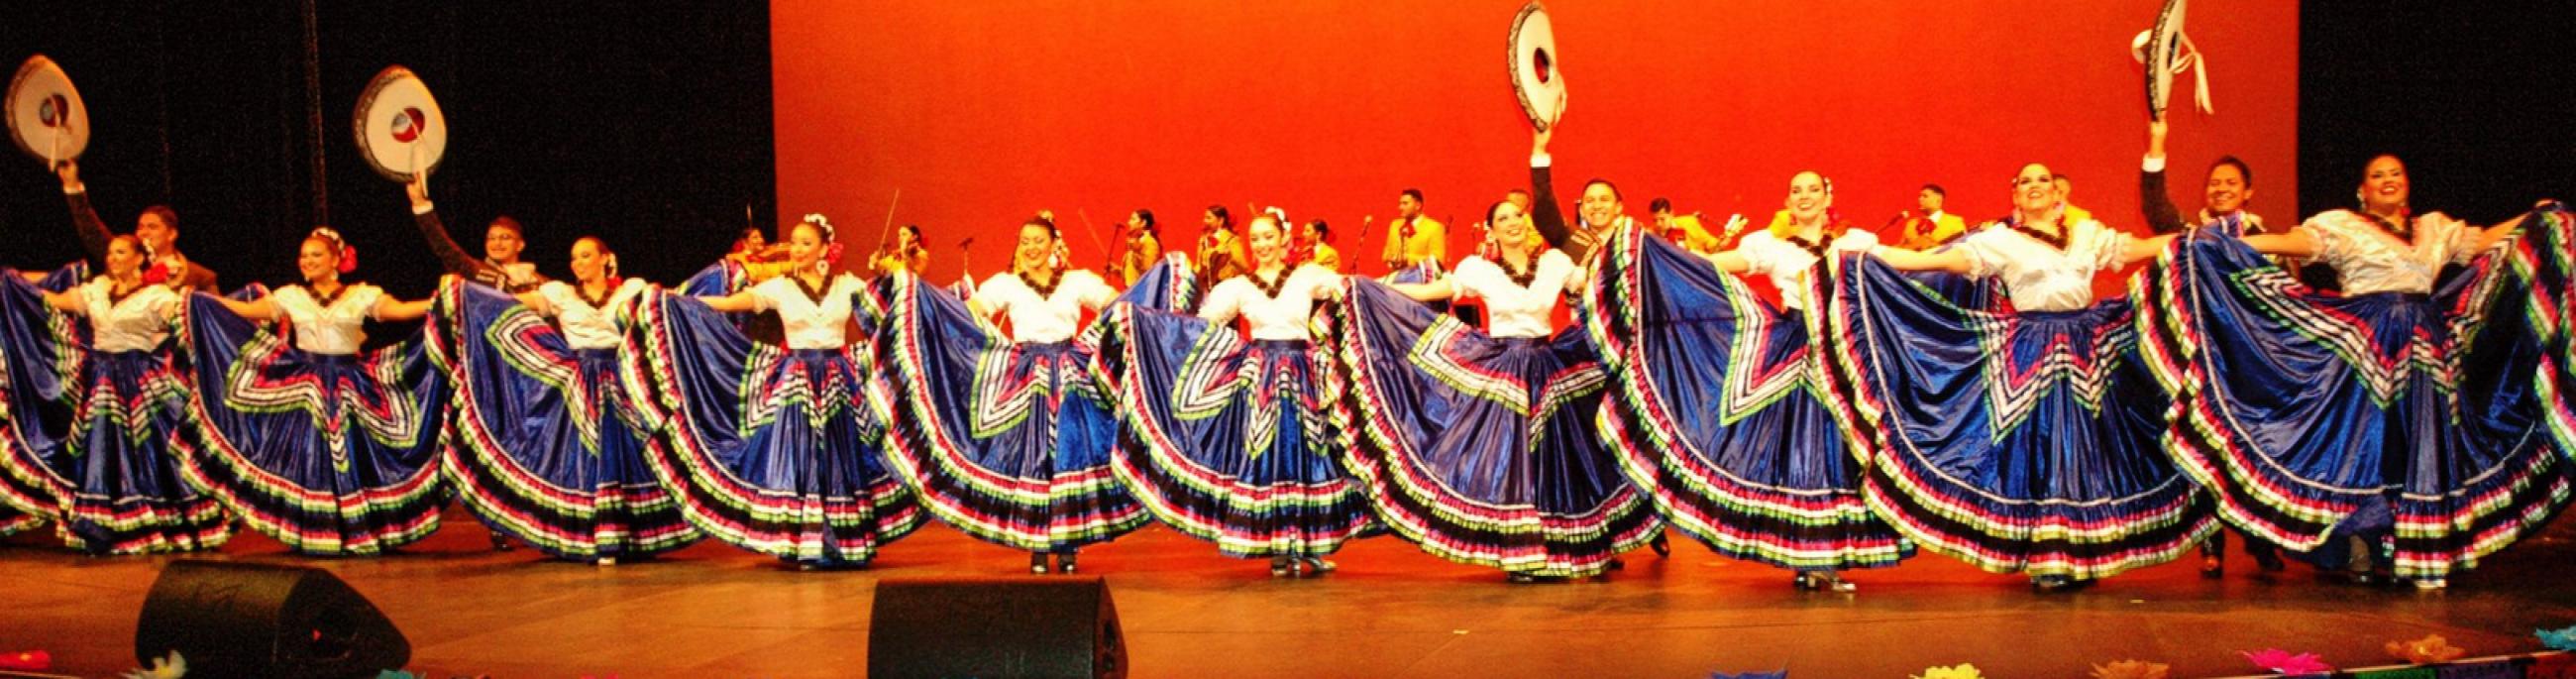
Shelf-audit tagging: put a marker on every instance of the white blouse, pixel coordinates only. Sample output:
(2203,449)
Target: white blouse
(336,329)
(140,322)
(809,323)
(1051,318)
(2371,260)
(1272,318)
(2039,276)
(1512,310)
(585,326)
(1788,264)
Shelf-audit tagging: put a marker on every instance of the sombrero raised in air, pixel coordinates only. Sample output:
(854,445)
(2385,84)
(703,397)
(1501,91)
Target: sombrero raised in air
(399,128)
(46,116)
(2166,52)
(1536,76)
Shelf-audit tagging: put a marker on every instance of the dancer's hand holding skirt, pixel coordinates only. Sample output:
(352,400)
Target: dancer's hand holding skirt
(1228,440)
(85,434)
(767,448)
(329,454)
(2015,441)
(1007,441)
(1482,450)
(35,379)
(2443,417)
(1717,411)
(545,446)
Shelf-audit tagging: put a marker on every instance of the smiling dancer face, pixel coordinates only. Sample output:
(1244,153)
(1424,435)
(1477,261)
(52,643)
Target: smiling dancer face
(1511,228)
(2229,186)
(502,241)
(805,245)
(2034,192)
(590,260)
(1600,204)
(1269,242)
(157,227)
(318,260)
(1037,242)
(124,257)
(2384,188)
(1809,198)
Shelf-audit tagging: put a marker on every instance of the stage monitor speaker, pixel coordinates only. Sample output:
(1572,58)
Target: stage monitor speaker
(253,620)
(999,627)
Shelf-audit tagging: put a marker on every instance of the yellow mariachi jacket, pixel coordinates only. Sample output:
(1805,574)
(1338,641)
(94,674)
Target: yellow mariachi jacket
(1688,232)
(1327,257)
(1222,258)
(1430,241)
(1925,233)
(1143,250)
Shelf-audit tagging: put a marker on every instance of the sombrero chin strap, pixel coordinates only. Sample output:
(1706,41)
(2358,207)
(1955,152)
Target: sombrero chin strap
(2186,57)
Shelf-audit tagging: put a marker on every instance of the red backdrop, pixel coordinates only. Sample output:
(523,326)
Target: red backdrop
(983,112)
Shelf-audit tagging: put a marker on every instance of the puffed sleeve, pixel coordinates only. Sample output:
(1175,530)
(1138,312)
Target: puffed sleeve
(1223,302)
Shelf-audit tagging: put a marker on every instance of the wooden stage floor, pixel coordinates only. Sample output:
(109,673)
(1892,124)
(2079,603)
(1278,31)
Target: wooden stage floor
(712,611)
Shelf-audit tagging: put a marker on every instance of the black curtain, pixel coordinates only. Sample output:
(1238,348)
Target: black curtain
(2478,99)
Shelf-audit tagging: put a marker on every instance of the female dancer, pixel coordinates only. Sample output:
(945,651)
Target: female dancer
(107,476)
(546,446)
(1008,437)
(1481,446)
(1719,414)
(2407,419)
(767,448)
(330,448)
(2021,439)
(1230,441)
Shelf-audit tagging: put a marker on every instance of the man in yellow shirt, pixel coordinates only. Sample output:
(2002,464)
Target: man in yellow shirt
(1684,230)
(1929,226)
(1414,238)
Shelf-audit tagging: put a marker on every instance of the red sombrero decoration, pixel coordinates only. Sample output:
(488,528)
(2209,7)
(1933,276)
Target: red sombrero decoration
(399,128)
(46,116)
(1536,75)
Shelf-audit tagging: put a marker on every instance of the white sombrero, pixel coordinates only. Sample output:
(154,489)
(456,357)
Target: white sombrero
(1535,73)
(399,128)
(2166,52)
(46,116)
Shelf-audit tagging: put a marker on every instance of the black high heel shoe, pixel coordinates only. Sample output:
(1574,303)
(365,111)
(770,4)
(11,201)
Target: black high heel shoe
(2057,584)
(1038,563)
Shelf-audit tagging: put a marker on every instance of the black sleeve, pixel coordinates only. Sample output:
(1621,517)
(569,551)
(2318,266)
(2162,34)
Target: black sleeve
(2162,217)
(93,233)
(1544,213)
(450,255)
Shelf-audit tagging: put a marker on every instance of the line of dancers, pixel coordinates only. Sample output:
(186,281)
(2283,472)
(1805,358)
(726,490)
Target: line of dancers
(1970,398)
